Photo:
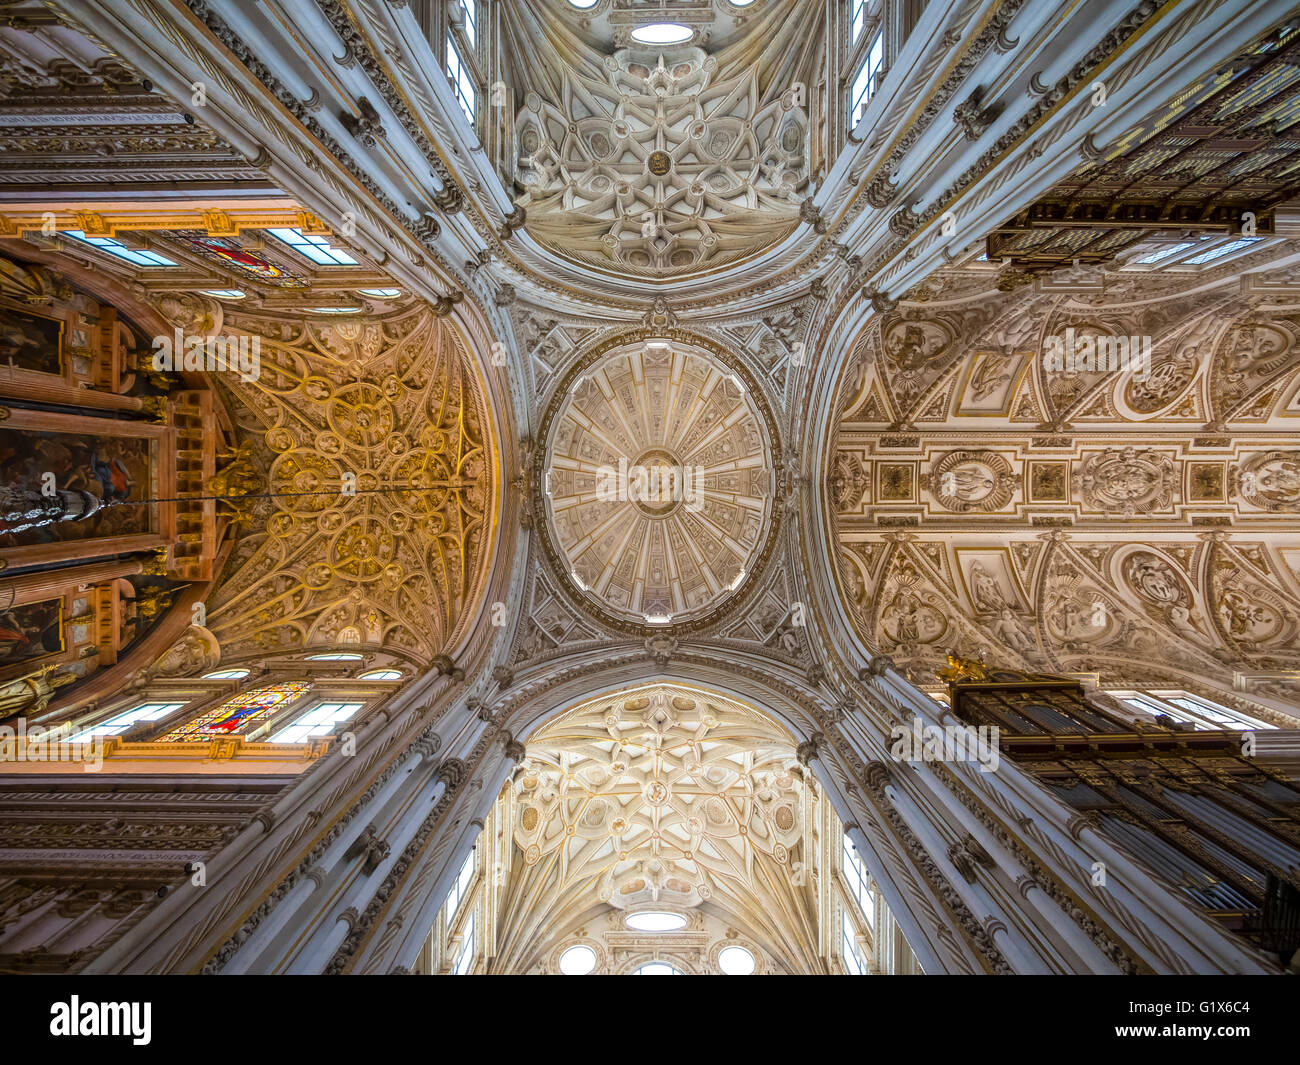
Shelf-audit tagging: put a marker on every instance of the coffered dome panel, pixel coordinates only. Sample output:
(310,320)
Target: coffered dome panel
(662,167)
(657,483)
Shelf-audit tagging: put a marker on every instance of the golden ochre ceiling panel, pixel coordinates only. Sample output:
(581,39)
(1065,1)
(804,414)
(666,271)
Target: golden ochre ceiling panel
(372,437)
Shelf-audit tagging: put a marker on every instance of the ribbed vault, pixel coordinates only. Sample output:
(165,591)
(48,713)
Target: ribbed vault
(659,797)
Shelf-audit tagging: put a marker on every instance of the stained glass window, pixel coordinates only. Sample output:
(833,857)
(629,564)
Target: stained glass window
(238,715)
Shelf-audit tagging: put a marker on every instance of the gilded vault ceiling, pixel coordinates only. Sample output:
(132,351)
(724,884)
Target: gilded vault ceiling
(372,433)
(679,541)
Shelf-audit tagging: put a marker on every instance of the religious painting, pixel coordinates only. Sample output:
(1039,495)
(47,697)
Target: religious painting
(31,341)
(238,715)
(114,469)
(30,632)
(231,254)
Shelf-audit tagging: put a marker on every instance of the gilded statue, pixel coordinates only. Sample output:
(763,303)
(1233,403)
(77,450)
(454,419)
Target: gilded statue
(235,481)
(32,693)
(153,602)
(963,669)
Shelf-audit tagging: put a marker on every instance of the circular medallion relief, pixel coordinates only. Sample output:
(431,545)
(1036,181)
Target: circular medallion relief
(657,483)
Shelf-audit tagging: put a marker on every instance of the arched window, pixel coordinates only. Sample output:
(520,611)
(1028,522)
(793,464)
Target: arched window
(226,674)
(382,674)
(736,961)
(655,921)
(657,968)
(577,961)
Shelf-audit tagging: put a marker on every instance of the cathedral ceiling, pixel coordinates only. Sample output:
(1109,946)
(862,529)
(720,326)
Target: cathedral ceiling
(607,24)
(950,423)
(1139,527)
(662,168)
(660,798)
(75,118)
(659,162)
(356,458)
(1080,520)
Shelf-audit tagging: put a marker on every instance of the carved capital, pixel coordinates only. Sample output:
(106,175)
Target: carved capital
(514,220)
(451,772)
(878,776)
(515,750)
(451,199)
(445,303)
(808,750)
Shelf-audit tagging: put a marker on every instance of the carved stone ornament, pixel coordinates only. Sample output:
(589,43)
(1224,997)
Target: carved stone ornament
(1128,481)
(965,481)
